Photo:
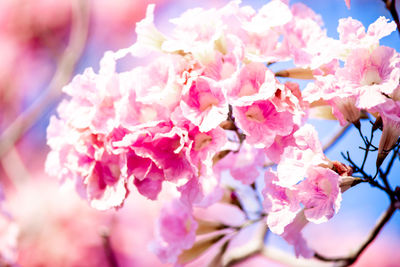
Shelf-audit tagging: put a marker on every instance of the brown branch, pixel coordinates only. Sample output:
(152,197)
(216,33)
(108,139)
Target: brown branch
(108,250)
(346,261)
(65,68)
(391,6)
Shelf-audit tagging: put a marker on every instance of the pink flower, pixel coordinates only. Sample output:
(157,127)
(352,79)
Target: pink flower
(341,97)
(92,104)
(261,122)
(280,203)
(176,231)
(254,82)
(371,74)
(305,41)
(150,93)
(204,103)
(320,194)
(243,165)
(353,36)
(390,114)
(297,158)
(202,191)
(260,32)
(292,234)
(148,37)
(80,157)
(154,153)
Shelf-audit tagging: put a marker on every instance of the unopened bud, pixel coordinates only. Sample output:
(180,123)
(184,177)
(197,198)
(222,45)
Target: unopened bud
(348,182)
(296,73)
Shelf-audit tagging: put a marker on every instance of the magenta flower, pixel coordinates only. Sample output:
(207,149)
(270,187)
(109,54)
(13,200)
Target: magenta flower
(261,122)
(204,103)
(80,157)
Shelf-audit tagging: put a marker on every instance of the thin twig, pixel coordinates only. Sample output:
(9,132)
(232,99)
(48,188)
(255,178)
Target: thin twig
(346,261)
(111,258)
(65,68)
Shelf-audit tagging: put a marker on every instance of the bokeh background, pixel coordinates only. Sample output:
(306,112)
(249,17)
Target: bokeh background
(38,56)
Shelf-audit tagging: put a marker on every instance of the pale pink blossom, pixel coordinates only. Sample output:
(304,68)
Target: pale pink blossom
(150,92)
(292,234)
(260,32)
(261,122)
(244,165)
(297,158)
(204,103)
(320,194)
(390,114)
(254,82)
(371,74)
(305,41)
(81,158)
(341,97)
(202,191)
(353,36)
(281,203)
(149,38)
(175,232)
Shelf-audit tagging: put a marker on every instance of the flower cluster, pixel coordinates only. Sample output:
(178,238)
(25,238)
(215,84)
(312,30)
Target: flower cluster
(207,101)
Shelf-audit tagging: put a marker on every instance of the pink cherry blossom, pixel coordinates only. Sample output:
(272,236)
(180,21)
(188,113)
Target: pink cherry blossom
(292,234)
(204,103)
(261,31)
(80,158)
(341,97)
(297,158)
(243,165)
(176,231)
(320,194)
(371,74)
(281,203)
(255,82)
(261,122)
(353,36)
(305,40)
(390,114)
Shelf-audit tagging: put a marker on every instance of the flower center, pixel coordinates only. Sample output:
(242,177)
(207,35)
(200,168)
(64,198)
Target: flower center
(207,100)
(201,141)
(247,89)
(254,113)
(371,76)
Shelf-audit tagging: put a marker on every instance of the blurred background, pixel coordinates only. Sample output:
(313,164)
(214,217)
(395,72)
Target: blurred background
(43,44)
